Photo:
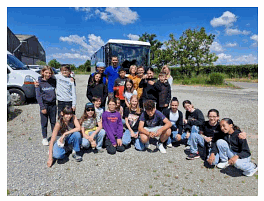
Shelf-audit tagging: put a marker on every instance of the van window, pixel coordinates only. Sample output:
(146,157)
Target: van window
(15,63)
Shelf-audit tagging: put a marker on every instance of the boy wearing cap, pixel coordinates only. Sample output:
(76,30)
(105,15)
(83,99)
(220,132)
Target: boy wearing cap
(112,74)
(119,86)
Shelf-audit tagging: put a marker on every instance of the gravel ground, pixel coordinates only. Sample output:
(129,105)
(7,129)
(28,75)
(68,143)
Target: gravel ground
(131,172)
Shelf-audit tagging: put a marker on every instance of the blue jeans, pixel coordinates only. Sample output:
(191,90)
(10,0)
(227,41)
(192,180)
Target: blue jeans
(74,139)
(126,139)
(139,145)
(194,140)
(99,138)
(195,129)
(226,153)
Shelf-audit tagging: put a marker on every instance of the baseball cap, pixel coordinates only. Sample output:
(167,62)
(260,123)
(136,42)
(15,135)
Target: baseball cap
(89,105)
(100,64)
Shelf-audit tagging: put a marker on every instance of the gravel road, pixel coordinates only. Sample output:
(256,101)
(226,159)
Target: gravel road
(131,172)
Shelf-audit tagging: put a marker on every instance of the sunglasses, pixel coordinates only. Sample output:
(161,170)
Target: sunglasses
(88,110)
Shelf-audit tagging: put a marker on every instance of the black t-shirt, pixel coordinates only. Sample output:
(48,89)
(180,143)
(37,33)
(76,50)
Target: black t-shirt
(133,119)
(212,131)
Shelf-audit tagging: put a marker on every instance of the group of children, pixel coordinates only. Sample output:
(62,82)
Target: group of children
(137,111)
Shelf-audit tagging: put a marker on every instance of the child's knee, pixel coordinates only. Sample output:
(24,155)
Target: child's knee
(85,143)
(221,142)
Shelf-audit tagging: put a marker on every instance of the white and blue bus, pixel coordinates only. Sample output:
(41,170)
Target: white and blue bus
(129,52)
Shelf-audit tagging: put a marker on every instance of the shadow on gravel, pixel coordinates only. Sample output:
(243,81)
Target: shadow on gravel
(87,151)
(14,114)
(63,161)
(232,171)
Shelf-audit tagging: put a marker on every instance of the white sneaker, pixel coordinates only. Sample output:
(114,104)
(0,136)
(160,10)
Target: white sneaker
(169,145)
(161,148)
(45,142)
(251,173)
(222,165)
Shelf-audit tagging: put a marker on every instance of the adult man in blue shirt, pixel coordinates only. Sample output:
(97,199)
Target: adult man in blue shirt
(112,73)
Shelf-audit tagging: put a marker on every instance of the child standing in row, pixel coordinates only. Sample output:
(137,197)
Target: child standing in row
(46,97)
(96,87)
(129,91)
(164,90)
(120,85)
(66,93)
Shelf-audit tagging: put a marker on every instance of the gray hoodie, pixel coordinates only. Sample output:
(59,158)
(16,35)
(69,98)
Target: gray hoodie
(65,89)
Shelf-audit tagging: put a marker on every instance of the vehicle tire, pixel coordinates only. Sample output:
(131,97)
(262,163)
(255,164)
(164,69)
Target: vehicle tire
(17,97)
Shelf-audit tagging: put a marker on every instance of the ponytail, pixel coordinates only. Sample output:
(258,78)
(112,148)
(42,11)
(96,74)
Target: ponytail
(229,121)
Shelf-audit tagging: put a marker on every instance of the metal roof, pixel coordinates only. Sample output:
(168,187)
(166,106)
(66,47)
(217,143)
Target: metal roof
(131,42)
(23,37)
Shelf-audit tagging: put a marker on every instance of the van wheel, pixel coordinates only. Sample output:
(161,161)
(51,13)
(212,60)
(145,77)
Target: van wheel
(17,97)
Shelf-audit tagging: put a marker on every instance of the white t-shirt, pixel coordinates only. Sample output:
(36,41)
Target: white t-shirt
(99,112)
(128,95)
(174,117)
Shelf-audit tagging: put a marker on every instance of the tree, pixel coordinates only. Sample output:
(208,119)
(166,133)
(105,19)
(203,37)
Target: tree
(73,67)
(162,57)
(155,45)
(81,68)
(192,49)
(42,63)
(54,63)
(87,66)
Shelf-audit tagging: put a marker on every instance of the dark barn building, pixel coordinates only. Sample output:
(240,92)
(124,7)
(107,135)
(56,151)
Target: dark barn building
(25,47)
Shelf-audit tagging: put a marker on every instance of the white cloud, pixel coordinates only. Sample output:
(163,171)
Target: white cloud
(87,46)
(242,59)
(120,15)
(226,57)
(230,32)
(227,19)
(75,39)
(231,44)
(133,37)
(254,37)
(217,47)
(70,56)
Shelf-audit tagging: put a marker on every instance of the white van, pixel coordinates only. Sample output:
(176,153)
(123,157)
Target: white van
(20,80)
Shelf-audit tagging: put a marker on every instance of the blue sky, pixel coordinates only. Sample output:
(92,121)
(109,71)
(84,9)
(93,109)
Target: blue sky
(72,34)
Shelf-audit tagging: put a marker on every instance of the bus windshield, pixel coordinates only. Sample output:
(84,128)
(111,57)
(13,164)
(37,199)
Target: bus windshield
(127,52)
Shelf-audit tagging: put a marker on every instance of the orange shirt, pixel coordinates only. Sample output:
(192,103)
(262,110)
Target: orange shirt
(136,80)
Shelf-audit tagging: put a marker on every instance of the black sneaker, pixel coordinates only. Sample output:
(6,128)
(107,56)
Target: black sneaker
(193,156)
(76,156)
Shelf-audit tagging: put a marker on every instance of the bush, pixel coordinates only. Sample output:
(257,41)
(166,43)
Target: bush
(186,82)
(216,79)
